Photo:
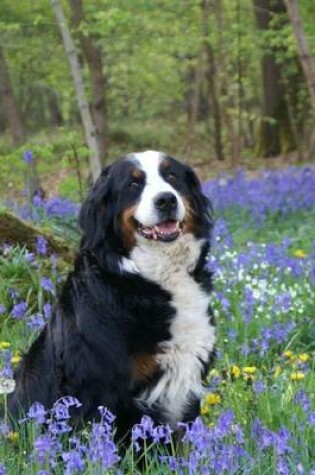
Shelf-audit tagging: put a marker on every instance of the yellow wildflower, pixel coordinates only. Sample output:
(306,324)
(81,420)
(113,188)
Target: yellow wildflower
(4,345)
(235,371)
(297,376)
(303,357)
(204,410)
(277,371)
(212,399)
(249,369)
(16,358)
(288,354)
(13,436)
(299,253)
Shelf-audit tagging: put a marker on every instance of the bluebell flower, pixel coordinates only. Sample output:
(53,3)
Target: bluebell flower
(19,310)
(47,285)
(41,245)
(28,156)
(37,413)
(311,418)
(45,448)
(36,322)
(47,310)
(7,371)
(259,386)
(29,256)
(303,400)
(74,462)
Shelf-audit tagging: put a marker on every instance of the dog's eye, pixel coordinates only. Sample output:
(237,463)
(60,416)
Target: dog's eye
(171,177)
(134,185)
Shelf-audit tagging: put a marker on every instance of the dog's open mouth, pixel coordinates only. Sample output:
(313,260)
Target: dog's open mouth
(166,231)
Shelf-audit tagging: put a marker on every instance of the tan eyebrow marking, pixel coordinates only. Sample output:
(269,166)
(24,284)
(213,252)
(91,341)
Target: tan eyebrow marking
(165,165)
(137,174)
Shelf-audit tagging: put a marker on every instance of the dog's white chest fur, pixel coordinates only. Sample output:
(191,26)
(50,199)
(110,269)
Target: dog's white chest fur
(192,335)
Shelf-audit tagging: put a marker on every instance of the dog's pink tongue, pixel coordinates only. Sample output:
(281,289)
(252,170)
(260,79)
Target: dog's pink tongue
(168,227)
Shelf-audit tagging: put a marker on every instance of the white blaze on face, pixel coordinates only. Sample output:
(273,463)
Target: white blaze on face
(146,213)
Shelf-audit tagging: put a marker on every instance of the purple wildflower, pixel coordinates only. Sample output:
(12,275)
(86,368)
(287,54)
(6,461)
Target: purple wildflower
(7,371)
(29,256)
(311,418)
(13,294)
(259,386)
(47,284)
(263,437)
(69,401)
(106,415)
(57,428)
(28,156)
(302,399)
(4,429)
(74,462)
(47,310)
(36,322)
(101,447)
(19,310)
(41,245)
(37,413)
(224,423)
(283,468)
(282,441)
(2,469)
(2,309)
(45,448)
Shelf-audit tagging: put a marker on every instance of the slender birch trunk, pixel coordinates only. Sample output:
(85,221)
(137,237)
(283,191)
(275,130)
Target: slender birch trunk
(89,128)
(94,60)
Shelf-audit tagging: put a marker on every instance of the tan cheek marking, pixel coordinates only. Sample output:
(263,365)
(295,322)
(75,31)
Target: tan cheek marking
(144,366)
(189,223)
(128,227)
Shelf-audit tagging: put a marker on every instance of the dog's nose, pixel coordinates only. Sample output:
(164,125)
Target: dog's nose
(166,202)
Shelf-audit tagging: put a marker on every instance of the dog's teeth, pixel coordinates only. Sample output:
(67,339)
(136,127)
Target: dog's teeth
(155,237)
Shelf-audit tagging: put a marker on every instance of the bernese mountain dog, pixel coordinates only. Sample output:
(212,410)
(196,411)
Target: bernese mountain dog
(132,329)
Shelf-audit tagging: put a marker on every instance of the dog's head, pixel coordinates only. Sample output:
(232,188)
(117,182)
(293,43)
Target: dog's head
(145,196)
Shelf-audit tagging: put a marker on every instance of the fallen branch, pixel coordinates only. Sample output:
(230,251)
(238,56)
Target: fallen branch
(14,230)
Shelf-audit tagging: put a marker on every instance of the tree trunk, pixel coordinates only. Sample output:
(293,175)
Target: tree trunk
(304,56)
(89,129)
(303,48)
(56,118)
(193,106)
(10,106)
(93,57)
(211,80)
(276,135)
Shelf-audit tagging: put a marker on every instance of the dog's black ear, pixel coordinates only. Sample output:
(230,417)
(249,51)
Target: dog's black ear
(94,213)
(205,214)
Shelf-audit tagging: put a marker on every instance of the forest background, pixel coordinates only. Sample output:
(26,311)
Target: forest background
(220,83)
